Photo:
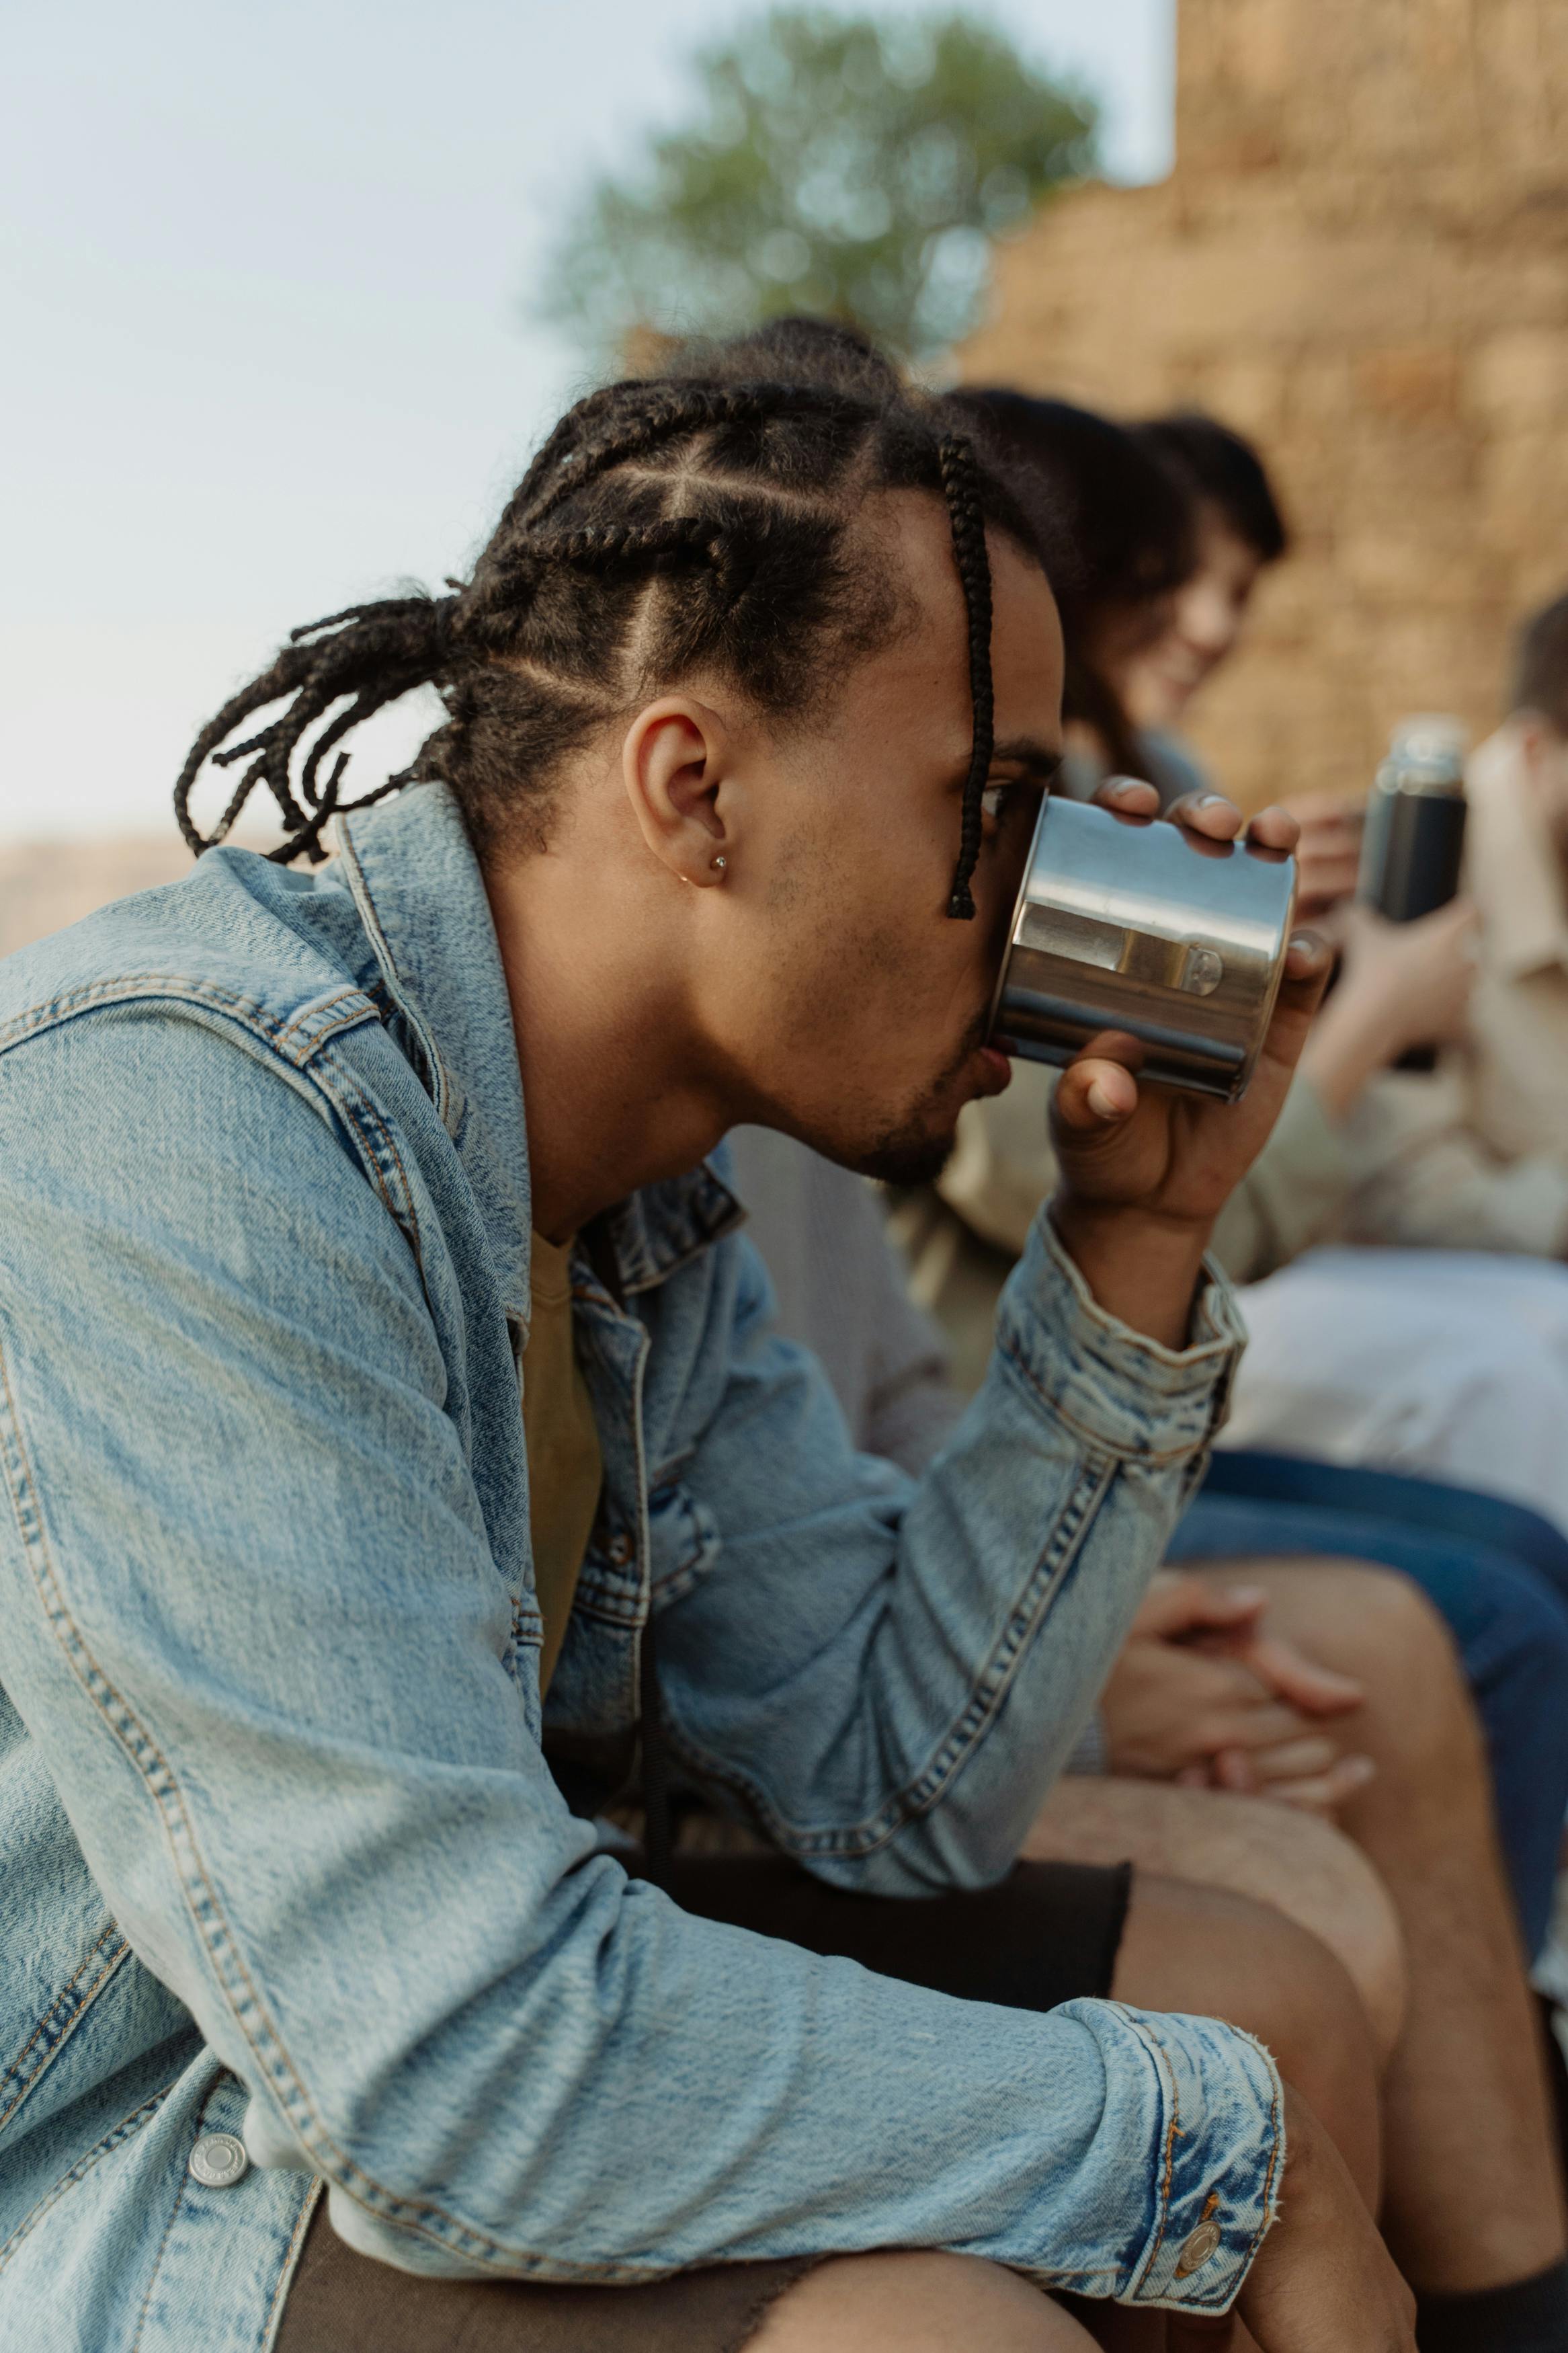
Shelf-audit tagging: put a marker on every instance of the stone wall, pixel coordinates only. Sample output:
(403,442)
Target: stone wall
(1361,260)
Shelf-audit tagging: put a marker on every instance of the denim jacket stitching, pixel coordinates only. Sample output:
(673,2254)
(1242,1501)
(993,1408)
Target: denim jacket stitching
(1153,2045)
(1172,2134)
(363,896)
(158,2259)
(60,2020)
(1149,1457)
(359,1114)
(1267,2197)
(525,1635)
(246,2004)
(156,988)
(285,2279)
(925,1790)
(111,2140)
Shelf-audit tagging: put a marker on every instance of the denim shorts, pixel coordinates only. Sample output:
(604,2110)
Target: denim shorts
(1047,1934)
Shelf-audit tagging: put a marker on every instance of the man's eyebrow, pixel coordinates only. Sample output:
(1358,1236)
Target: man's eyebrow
(1039,760)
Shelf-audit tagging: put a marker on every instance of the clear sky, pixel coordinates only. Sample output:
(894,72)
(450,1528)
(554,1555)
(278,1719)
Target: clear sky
(266,267)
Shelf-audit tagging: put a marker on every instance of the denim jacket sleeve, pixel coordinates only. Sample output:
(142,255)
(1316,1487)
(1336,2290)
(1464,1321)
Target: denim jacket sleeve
(252,1620)
(907,1665)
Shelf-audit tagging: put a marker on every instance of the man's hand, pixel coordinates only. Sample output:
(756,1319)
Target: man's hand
(1200,1695)
(1146,1169)
(1322,2281)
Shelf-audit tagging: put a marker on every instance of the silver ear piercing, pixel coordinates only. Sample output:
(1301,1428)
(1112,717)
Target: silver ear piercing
(717,866)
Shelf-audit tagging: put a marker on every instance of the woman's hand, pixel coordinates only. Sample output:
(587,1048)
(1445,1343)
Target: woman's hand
(1327,855)
(1400,985)
(1146,1169)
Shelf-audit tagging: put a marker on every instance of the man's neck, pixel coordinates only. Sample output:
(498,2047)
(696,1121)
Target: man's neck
(613,1088)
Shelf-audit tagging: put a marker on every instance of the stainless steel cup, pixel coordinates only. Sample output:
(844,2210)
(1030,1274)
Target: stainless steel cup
(1135,925)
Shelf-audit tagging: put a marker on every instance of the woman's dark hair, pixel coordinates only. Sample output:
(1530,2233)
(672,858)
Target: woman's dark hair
(1219,465)
(702,518)
(1115,529)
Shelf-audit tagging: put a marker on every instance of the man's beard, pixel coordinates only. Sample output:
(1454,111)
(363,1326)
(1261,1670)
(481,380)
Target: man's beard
(916,1150)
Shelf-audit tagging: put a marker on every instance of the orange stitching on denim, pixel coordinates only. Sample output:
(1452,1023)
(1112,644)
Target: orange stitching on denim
(13,2071)
(1262,2231)
(1172,2135)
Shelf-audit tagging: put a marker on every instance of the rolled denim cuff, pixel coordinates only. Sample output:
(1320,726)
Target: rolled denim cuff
(1118,1388)
(1216,2153)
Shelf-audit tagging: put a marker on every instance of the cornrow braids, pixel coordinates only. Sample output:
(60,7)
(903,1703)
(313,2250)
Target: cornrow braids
(961,485)
(697,521)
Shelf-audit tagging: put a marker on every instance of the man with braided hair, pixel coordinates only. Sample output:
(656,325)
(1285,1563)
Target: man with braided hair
(331,2012)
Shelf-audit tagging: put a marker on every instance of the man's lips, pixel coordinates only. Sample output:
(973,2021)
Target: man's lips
(995,1069)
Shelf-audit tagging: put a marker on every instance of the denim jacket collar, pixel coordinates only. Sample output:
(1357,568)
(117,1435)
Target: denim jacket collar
(418,886)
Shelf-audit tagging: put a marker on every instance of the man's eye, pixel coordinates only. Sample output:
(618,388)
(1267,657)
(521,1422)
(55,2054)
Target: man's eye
(994,802)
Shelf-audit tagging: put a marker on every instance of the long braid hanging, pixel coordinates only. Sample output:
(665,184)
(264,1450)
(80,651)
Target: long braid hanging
(961,486)
(377,653)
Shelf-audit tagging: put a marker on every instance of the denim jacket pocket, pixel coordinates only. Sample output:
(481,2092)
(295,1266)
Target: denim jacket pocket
(684,1540)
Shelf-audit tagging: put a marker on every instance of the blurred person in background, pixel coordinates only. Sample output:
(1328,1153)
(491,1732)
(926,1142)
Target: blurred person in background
(1369,1355)
(1358,1359)
(1240,531)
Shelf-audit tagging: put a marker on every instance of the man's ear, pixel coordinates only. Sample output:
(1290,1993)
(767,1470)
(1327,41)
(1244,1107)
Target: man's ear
(675,762)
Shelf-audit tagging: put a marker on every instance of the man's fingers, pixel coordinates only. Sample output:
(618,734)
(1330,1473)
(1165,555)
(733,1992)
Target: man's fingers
(1298,1680)
(1265,1725)
(1295,1760)
(1231,1769)
(1324,1793)
(1128,795)
(1095,1094)
(1274,828)
(1209,813)
(1177,1605)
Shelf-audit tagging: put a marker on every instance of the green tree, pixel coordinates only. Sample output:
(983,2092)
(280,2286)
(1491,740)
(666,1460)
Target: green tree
(853,166)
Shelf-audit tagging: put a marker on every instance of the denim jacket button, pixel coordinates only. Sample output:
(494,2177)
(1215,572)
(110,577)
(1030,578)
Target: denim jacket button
(218,2160)
(1201,2244)
(621,1550)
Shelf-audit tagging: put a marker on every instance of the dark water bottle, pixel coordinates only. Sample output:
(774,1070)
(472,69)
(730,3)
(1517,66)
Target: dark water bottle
(1414,839)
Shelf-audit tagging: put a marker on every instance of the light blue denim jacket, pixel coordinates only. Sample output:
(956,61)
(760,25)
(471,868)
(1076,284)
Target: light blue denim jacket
(281,1850)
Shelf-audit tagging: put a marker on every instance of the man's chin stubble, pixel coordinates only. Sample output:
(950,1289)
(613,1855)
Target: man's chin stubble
(906,1159)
